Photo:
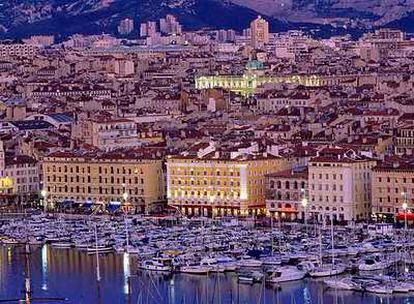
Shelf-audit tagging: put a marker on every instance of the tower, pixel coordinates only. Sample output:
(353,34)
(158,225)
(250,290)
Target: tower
(259,32)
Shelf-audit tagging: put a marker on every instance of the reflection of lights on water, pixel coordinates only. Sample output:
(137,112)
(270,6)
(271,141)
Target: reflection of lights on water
(127,272)
(306,295)
(406,270)
(44,266)
(8,255)
(172,290)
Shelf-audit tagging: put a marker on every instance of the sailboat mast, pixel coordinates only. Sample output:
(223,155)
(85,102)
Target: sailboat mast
(271,232)
(320,246)
(27,287)
(126,233)
(98,273)
(332,242)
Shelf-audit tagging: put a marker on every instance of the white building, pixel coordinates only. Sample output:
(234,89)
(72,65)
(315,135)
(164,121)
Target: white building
(340,185)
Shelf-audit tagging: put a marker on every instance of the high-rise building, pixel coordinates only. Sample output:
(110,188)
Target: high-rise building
(126,26)
(151,29)
(148,29)
(259,32)
(170,25)
(143,30)
(226,35)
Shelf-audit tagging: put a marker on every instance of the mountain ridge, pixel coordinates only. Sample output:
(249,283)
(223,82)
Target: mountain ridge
(22,18)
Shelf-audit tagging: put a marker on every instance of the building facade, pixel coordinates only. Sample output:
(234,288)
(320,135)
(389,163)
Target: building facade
(285,192)
(218,186)
(340,186)
(405,140)
(104,178)
(107,134)
(259,29)
(392,185)
(19,178)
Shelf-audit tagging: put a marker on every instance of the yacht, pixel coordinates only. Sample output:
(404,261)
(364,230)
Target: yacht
(346,283)
(212,264)
(373,262)
(402,287)
(251,276)
(194,269)
(62,245)
(380,288)
(327,270)
(155,265)
(99,249)
(286,274)
(247,261)
(271,261)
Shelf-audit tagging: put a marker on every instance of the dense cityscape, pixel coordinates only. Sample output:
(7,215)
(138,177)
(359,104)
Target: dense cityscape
(274,157)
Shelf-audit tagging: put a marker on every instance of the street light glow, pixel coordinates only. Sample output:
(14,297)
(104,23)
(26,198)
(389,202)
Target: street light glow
(304,202)
(43,193)
(125,196)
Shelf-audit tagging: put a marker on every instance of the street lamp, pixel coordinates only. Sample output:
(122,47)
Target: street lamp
(304,205)
(43,194)
(405,206)
(125,198)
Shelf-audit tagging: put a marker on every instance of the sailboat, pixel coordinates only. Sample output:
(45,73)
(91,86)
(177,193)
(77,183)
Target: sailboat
(325,270)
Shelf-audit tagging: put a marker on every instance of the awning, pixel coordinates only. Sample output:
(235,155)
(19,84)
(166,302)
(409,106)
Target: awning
(87,204)
(113,206)
(401,216)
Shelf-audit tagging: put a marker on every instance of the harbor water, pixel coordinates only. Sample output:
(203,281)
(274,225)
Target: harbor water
(69,276)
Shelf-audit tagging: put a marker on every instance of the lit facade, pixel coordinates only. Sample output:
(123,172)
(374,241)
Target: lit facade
(220,186)
(104,178)
(340,188)
(392,185)
(19,178)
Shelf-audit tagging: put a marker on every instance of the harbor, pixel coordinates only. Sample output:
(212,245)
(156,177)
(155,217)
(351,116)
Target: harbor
(200,260)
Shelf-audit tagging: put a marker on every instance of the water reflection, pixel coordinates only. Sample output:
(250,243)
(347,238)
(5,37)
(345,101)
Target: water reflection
(71,274)
(44,259)
(127,272)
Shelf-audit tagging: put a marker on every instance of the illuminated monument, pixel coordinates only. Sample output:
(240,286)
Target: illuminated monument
(253,77)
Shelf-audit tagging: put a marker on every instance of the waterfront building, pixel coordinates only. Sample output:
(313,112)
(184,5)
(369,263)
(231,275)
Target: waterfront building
(205,181)
(286,192)
(392,186)
(131,177)
(19,178)
(259,29)
(340,185)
